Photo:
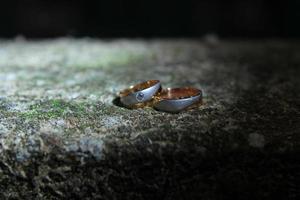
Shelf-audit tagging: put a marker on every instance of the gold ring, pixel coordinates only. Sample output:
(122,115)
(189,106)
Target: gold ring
(177,99)
(140,95)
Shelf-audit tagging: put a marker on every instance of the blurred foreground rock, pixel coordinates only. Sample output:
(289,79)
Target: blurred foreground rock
(62,137)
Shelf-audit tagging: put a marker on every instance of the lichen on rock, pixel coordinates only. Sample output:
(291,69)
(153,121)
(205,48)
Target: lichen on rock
(62,135)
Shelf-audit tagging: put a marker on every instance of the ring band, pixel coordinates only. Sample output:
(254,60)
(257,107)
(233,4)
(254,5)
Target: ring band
(177,99)
(137,95)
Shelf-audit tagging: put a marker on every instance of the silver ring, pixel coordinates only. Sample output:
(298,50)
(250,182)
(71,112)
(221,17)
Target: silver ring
(177,99)
(140,93)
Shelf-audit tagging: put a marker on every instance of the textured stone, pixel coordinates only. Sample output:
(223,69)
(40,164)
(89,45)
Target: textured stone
(63,136)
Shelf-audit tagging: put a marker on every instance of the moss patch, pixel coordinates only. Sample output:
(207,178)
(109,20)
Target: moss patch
(110,59)
(55,108)
(58,108)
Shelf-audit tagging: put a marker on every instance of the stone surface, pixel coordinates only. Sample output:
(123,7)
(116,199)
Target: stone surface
(62,136)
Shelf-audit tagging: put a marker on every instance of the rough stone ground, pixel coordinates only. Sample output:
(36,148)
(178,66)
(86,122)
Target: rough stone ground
(62,137)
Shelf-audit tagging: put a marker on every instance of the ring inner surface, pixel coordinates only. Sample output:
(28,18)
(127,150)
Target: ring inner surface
(138,87)
(179,93)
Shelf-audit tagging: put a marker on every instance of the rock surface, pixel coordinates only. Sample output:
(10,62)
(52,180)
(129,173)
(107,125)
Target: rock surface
(62,136)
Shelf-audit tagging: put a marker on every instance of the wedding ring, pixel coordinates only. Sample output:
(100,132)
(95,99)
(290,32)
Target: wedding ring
(138,95)
(177,99)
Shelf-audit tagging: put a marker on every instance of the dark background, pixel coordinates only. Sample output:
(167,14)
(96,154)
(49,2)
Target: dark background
(149,18)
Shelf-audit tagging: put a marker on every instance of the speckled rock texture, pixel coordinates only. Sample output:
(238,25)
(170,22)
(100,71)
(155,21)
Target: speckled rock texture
(63,137)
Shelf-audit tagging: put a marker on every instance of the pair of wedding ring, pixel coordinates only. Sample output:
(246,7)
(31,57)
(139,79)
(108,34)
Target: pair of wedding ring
(150,93)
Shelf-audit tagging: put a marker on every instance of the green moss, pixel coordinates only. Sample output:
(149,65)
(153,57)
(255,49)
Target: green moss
(55,108)
(58,108)
(111,59)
